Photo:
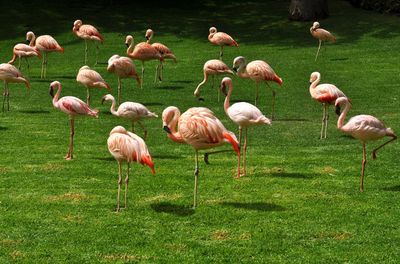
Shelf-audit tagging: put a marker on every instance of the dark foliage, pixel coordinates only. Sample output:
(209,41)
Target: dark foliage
(383,6)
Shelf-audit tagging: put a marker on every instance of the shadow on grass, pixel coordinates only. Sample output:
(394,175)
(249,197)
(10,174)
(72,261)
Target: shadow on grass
(152,103)
(262,207)
(105,158)
(172,157)
(291,119)
(170,87)
(34,111)
(3,128)
(395,188)
(293,175)
(175,209)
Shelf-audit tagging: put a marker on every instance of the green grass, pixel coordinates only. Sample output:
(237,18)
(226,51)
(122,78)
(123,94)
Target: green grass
(300,202)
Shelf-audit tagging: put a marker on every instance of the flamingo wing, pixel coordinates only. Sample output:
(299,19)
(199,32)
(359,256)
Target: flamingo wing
(74,106)
(91,32)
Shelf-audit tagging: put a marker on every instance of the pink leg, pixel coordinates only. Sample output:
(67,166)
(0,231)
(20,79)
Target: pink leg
(119,183)
(244,151)
(394,137)
(240,144)
(126,184)
(71,141)
(364,161)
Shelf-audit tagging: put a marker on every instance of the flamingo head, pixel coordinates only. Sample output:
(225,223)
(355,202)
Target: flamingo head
(84,68)
(226,83)
(107,97)
(340,102)
(29,36)
(110,66)
(77,24)
(149,34)
(118,129)
(238,62)
(212,30)
(168,116)
(54,85)
(314,76)
(315,25)
(128,40)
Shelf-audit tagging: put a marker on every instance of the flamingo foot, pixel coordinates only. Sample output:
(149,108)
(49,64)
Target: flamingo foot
(68,157)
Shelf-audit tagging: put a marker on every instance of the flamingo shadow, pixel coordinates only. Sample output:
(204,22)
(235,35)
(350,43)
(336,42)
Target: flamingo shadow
(175,209)
(291,119)
(171,157)
(3,128)
(395,188)
(34,111)
(293,175)
(152,103)
(105,158)
(260,206)
(339,59)
(170,87)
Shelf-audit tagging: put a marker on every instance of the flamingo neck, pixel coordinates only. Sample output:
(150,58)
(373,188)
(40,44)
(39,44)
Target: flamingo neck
(149,40)
(175,135)
(211,35)
(315,82)
(32,42)
(112,108)
(227,99)
(130,48)
(342,117)
(56,97)
(242,72)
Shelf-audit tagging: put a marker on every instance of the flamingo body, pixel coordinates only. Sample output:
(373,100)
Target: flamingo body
(87,33)
(221,39)
(91,79)
(322,35)
(10,74)
(24,51)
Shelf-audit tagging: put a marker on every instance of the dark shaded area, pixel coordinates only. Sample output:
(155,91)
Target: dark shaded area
(395,188)
(175,209)
(294,175)
(383,6)
(170,87)
(105,158)
(34,111)
(308,10)
(263,207)
(3,128)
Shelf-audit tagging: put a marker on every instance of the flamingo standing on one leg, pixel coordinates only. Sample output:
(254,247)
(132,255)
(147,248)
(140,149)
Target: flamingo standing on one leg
(88,32)
(362,127)
(212,67)
(259,71)
(44,44)
(199,128)
(326,94)
(134,112)
(244,115)
(72,106)
(10,74)
(165,52)
(91,79)
(143,52)
(123,67)
(126,146)
(25,51)
(322,35)
(221,39)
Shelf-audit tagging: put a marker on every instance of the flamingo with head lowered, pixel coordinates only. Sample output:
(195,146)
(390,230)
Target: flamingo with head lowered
(10,74)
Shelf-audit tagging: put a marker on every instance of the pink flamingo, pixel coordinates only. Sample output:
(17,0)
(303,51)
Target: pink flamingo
(244,115)
(199,128)
(25,51)
(321,34)
(10,74)
(88,32)
(362,127)
(143,52)
(91,79)
(44,44)
(126,146)
(221,39)
(212,67)
(123,67)
(134,112)
(326,94)
(259,71)
(72,106)
(165,52)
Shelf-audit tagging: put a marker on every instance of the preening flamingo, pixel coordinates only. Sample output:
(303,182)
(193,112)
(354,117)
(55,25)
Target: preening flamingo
(165,52)
(244,115)
(126,146)
(212,67)
(322,35)
(326,94)
(44,44)
(221,39)
(25,51)
(123,67)
(134,112)
(10,74)
(199,128)
(88,33)
(258,71)
(143,52)
(73,107)
(362,127)
(91,79)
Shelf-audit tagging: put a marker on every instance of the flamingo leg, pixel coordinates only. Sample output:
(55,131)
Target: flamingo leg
(240,144)
(43,59)
(256,100)
(273,104)
(244,151)
(71,141)
(141,83)
(144,130)
(364,161)
(27,63)
(119,90)
(133,126)
(323,121)
(86,51)
(4,94)
(45,65)
(97,54)
(161,71)
(221,53)
(196,175)
(319,47)
(87,96)
(19,62)
(8,97)
(394,137)
(326,120)
(119,183)
(126,184)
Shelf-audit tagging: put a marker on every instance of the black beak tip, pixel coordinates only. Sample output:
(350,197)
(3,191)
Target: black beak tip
(166,129)
(27,41)
(234,69)
(126,44)
(147,38)
(201,99)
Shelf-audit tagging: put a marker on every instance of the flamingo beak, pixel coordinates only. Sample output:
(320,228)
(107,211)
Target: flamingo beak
(200,99)
(147,37)
(51,92)
(127,44)
(27,41)
(103,100)
(234,69)
(166,129)
(337,110)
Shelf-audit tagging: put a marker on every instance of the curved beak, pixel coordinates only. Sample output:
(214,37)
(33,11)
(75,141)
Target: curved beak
(147,37)
(166,129)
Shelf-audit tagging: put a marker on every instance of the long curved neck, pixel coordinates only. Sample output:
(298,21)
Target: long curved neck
(227,103)
(131,46)
(149,40)
(112,108)
(342,117)
(175,135)
(315,82)
(32,41)
(211,35)
(56,97)
(242,72)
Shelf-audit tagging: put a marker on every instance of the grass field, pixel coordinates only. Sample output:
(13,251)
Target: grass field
(300,202)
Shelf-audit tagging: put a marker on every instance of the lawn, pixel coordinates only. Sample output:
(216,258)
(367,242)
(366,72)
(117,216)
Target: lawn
(299,203)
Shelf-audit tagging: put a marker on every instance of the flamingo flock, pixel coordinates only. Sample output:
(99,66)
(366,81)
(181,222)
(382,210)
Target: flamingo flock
(198,127)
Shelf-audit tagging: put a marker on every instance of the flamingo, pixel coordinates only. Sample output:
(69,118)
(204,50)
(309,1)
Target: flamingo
(44,44)
(199,128)
(221,39)
(244,115)
(322,35)
(134,112)
(22,50)
(362,127)
(212,67)
(165,52)
(143,52)
(91,79)
(72,106)
(259,71)
(88,32)
(126,146)
(123,67)
(10,74)
(326,94)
